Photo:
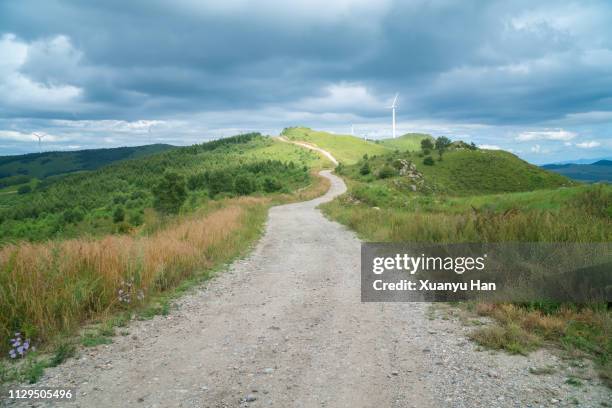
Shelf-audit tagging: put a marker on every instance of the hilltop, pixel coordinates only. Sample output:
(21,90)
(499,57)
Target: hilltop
(346,149)
(463,170)
(407,142)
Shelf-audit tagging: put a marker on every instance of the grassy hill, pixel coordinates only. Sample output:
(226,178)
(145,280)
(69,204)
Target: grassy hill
(116,197)
(345,148)
(479,196)
(407,142)
(599,171)
(22,168)
(461,172)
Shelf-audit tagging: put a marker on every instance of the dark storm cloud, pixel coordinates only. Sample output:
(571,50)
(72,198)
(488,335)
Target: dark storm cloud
(509,65)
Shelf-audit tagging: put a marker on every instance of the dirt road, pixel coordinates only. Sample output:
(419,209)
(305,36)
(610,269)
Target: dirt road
(286,328)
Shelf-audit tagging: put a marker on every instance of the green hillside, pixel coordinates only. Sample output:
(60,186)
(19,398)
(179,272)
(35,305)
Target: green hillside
(21,169)
(345,148)
(407,142)
(461,172)
(114,198)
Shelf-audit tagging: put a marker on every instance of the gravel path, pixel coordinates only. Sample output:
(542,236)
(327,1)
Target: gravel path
(286,328)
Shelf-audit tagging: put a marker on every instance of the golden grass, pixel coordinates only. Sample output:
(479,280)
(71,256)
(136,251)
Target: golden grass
(50,289)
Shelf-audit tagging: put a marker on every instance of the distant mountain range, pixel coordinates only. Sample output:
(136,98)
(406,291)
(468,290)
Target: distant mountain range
(600,170)
(21,168)
(581,161)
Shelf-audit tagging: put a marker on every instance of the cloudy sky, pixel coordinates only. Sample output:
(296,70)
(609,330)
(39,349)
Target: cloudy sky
(531,77)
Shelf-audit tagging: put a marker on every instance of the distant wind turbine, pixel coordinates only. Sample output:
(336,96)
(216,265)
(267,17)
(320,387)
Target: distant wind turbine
(352,130)
(40,137)
(393,106)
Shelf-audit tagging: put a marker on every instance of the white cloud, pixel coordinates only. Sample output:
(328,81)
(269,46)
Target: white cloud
(558,134)
(341,97)
(18,90)
(536,149)
(588,145)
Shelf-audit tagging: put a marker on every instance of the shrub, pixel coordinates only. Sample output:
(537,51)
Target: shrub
(428,161)
(386,171)
(118,215)
(135,219)
(365,169)
(271,184)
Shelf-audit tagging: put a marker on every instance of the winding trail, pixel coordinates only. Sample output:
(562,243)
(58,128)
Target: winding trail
(285,328)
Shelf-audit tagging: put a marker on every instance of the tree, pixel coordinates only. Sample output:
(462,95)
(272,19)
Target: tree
(426,144)
(442,144)
(169,193)
(196,181)
(365,169)
(220,180)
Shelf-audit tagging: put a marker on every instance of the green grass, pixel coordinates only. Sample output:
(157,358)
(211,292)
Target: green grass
(407,142)
(276,150)
(461,173)
(487,196)
(345,148)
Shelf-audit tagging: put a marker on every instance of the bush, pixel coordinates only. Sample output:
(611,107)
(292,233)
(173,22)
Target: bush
(118,215)
(271,184)
(365,169)
(386,171)
(135,219)
(428,161)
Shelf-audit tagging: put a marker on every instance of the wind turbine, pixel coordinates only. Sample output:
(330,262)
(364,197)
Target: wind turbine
(393,106)
(40,137)
(352,130)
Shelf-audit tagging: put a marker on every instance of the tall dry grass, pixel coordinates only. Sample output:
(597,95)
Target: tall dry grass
(51,288)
